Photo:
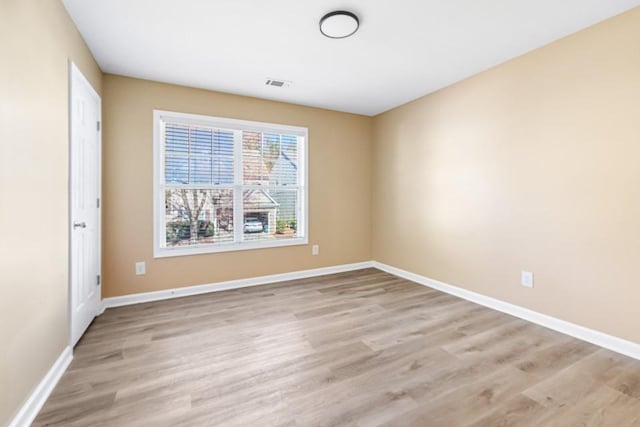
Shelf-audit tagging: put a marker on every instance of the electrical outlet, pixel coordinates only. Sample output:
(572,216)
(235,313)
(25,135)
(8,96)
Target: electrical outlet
(526,279)
(141,268)
(315,250)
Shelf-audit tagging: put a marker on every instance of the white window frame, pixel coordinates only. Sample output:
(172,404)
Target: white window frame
(160,117)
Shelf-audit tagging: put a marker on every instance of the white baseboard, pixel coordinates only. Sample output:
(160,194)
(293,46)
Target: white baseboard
(34,403)
(601,339)
(231,284)
(38,397)
(610,342)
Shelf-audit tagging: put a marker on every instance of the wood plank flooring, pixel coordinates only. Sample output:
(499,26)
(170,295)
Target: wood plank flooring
(361,348)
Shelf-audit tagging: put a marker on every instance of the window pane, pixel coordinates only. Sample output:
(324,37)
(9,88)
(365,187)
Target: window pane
(177,138)
(200,172)
(197,155)
(222,143)
(176,170)
(270,214)
(252,164)
(270,152)
(202,142)
(285,168)
(270,158)
(223,170)
(222,157)
(195,217)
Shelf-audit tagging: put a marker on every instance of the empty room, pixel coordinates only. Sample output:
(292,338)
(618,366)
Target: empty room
(319,213)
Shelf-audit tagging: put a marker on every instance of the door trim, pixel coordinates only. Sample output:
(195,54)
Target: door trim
(74,71)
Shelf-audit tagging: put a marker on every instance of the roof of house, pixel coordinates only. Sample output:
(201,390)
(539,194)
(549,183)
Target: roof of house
(259,199)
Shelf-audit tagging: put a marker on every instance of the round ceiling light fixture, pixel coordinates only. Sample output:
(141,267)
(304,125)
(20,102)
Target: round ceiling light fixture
(339,24)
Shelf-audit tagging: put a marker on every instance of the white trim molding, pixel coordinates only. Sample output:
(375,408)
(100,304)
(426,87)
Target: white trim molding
(237,187)
(38,397)
(610,342)
(231,284)
(598,338)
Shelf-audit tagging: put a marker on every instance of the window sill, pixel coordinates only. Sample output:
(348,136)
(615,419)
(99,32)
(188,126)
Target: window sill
(230,247)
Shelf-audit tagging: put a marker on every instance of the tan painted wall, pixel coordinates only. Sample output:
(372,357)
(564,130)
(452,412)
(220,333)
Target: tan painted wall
(533,165)
(339,188)
(36,39)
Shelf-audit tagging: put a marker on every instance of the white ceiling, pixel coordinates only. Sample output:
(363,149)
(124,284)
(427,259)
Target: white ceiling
(404,48)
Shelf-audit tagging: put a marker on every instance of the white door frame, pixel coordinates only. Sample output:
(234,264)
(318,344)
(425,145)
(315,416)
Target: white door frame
(74,72)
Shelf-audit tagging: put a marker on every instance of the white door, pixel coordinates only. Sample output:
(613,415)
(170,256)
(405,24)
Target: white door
(84,168)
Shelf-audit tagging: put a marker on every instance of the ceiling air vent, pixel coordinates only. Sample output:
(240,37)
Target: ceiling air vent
(277,83)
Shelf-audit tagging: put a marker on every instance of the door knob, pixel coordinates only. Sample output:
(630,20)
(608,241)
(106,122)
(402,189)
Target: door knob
(79,224)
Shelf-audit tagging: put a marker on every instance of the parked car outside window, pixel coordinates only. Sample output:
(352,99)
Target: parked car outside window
(253,225)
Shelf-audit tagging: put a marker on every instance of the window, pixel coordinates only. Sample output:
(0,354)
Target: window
(224,185)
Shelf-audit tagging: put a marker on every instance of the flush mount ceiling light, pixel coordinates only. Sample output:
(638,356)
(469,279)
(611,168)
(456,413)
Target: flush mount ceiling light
(339,24)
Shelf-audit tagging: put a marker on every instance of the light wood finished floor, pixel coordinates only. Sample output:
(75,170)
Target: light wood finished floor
(361,348)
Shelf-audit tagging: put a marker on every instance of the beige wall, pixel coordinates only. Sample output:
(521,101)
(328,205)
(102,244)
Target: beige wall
(533,165)
(339,188)
(36,40)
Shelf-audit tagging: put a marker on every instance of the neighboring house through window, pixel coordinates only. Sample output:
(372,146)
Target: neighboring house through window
(224,184)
